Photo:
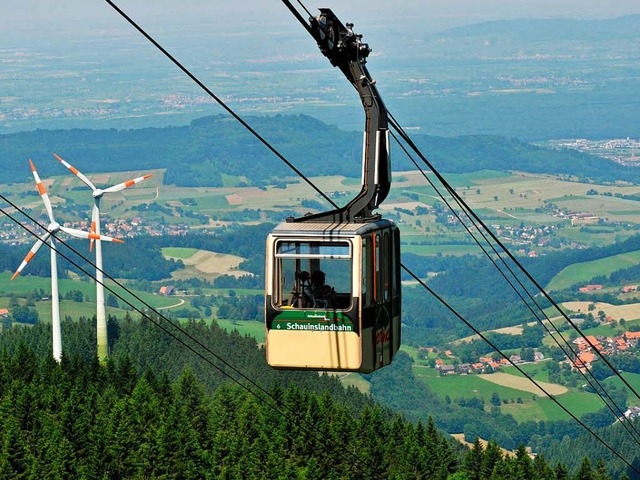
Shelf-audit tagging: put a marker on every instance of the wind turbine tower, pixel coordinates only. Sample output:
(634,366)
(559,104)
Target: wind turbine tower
(101,324)
(52,229)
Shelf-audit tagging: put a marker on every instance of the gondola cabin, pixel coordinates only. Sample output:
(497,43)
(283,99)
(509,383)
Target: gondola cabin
(333,295)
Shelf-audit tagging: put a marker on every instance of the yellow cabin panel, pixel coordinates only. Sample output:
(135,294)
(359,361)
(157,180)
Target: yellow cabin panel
(313,350)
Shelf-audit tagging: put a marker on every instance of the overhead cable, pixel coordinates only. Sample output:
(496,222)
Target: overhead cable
(598,388)
(495,347)
(457,197)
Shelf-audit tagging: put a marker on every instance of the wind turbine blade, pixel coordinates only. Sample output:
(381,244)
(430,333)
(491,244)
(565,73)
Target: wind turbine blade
(82,234)
(127,184)
(42,191)
(31,254)
(76,172)
(95,218)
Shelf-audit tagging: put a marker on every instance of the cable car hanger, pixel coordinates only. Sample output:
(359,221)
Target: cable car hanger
(345,50)
(355,323)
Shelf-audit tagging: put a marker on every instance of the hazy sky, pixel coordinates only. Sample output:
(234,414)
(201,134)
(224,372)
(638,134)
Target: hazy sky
(432,14)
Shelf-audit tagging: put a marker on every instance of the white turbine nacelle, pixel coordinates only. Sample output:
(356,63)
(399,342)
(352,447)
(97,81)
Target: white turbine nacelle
(53,227)
(97,193)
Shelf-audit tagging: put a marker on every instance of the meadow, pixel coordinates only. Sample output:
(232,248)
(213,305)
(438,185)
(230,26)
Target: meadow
(582,273)
(69,308)
(244,327)
(204,264)
(522,404)
(633,379)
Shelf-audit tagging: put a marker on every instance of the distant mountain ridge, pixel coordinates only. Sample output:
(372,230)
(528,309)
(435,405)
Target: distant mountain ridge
(199,154)
(627,26)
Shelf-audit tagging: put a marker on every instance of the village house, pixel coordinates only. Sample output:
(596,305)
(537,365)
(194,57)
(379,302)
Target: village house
(584,219)
(478,367)
(586,359)
(589,349)
(603,345)
(632,413)
(632,338)
(447,370)
(515,358)
(586,345)
(166,290)
(427,350)
(590,288)
(615,344)
(621,344)
(464,368)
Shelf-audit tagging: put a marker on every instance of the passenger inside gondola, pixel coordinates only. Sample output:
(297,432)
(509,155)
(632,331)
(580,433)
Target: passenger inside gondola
(323,294)
(300,296)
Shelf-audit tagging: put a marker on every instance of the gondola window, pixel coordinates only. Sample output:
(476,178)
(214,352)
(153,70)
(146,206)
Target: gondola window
(296,263)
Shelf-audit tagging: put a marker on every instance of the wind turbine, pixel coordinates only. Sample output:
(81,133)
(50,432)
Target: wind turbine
(101,318)
(53,228)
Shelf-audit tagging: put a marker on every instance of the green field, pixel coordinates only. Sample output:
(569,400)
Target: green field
(28,283)
(596,239)
(179,252)
(604,330)
(633,379)
(534,370)
(577,402)
(464,386)
(73,310)
(532,407)
(411,351)
(232,180)
(212,202)
(23,284)
(581,273)
(474,178)
(498,197)
(355,380)
(244,327)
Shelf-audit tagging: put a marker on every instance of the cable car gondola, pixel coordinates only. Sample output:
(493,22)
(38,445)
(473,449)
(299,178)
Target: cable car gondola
(332,293)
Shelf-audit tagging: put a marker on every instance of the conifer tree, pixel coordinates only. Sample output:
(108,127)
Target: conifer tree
(561,471)
(585,472)
(492,456)
(473,461)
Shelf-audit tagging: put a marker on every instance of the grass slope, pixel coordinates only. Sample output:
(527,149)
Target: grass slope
(69,308)
(522,404)
(583,272)
(244,327)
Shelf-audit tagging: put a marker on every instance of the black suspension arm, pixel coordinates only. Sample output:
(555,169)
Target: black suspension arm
(346,51)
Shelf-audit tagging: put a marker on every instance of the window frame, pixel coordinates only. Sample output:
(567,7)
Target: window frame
(279,295)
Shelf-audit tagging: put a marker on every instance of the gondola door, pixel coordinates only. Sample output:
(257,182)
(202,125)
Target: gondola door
(381,306)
